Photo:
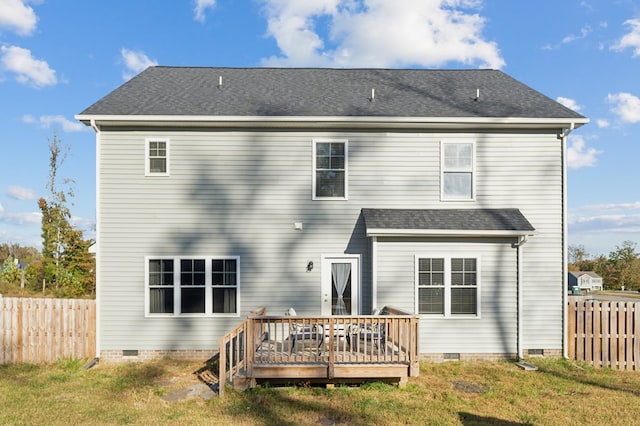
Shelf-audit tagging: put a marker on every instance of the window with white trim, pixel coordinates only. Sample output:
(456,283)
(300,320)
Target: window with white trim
(192,285)
(157,157)
(448,286)
(457,170)
(330,159)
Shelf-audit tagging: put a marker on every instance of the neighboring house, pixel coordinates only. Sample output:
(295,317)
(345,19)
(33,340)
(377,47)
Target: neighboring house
(437,192)
(585,280)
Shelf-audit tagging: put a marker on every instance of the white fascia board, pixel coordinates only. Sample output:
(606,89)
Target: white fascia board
(385,232)
(338,121)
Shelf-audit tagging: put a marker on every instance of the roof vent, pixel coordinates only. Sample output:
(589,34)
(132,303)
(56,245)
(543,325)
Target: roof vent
(477,95)
(220,82)
(373,94)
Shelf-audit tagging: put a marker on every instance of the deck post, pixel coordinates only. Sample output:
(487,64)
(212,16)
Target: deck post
(414,351)
(250,349)
(332,352)
(222,365)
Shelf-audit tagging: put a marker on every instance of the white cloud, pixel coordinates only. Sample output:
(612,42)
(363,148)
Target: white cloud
(17,17)
(626,106)
(602,123)
(47,121)
(601,226)
(30,218)
(631,39)
(614,206)
(569,103)
(200,8)
(28,69)
(606,223)
(587,6)
(21,193)
(578,155)
(584,32)
(379,33)
(136,62)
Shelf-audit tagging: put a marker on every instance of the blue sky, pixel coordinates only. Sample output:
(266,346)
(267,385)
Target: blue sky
(58,57)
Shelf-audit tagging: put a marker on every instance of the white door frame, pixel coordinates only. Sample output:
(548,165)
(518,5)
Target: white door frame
(325,287)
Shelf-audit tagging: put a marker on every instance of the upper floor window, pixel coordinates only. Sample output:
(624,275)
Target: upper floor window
(330,169)
(457,170)
(203,285)
(157,156)
(448,286)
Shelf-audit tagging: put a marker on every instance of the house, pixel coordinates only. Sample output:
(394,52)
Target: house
(585,280)
(441,193)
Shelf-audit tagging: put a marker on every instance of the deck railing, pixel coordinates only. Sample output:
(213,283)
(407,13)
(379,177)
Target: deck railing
(264,341)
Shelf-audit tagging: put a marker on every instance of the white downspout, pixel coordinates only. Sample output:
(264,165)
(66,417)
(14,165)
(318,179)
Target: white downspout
(563,138)
(96,129)
(374,273)
(521,240)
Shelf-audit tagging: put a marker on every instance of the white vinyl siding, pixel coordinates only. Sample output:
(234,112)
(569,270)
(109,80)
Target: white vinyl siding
(493,330)
(239,193)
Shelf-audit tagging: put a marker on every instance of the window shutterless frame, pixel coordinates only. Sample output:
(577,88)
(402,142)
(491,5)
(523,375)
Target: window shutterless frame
(446,283)
(457,170)
(330,169)
(175,286)
(156,162)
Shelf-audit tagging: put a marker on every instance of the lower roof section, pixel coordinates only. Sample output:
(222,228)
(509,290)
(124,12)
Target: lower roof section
(446,222)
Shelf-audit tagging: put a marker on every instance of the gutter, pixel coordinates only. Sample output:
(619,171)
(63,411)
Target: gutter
(386,122)
(521,241)
(565,232)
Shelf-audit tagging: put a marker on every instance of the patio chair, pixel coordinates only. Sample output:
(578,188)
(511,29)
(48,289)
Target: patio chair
(304,331)
(371,332)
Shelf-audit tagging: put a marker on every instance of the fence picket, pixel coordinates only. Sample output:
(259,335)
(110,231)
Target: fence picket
(45,330)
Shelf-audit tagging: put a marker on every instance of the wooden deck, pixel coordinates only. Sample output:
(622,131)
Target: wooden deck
(331,349)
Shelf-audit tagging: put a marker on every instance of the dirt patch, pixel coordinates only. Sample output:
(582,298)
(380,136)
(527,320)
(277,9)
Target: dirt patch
(197,390)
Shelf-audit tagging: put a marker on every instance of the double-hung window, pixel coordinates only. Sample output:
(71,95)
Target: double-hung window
(330,169)
(160,284)
(457,170)
(157,157)
(224,280)
(448,286)
(192,285)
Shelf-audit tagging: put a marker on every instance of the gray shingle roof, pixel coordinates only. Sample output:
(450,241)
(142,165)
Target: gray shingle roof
(468,220)
(262,92)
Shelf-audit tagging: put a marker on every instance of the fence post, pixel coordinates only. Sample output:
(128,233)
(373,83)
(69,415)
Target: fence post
(2,350)
(636,340)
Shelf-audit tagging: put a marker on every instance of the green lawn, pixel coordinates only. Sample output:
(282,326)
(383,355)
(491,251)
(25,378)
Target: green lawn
(449,393)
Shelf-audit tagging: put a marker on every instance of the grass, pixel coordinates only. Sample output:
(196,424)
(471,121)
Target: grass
(450,393)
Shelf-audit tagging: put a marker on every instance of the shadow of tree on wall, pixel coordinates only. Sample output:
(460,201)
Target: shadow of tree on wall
(246,207)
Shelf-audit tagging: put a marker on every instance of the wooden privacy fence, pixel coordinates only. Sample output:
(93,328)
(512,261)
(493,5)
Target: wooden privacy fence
(45,330)
(604,334)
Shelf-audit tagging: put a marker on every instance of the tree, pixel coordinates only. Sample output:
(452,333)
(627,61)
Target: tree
(67,261)
(577,254)
(21,266)
(625,266)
